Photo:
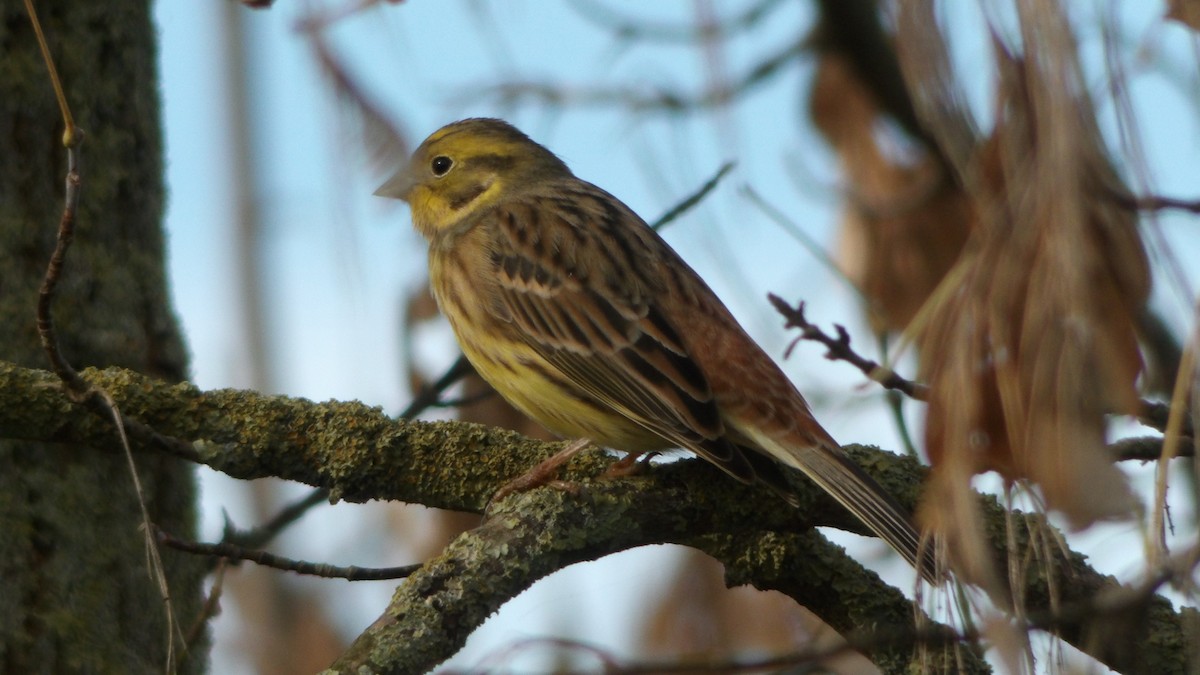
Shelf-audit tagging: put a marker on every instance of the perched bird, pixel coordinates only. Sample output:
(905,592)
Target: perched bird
(583,318)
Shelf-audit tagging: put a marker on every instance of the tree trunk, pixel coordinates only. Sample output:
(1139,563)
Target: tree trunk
(76,592)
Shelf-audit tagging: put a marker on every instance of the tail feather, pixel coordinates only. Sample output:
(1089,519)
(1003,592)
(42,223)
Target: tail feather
(860,494)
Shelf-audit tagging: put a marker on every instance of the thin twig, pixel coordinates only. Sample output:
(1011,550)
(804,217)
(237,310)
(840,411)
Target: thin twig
(212,605)
(464,401)
(1147,449)
(1155,203)
(661,100)
(70,131)
(76,387)
(232,552)
(641,30)
(839,350)
(695,198)
(1155,414)
(431,394)
(811,245)
(382,140)
(261,535)
(1171,442)
(895,401)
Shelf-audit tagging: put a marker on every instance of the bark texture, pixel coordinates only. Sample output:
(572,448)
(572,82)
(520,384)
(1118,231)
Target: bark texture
(75,591)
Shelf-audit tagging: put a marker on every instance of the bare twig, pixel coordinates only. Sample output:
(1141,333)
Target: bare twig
(233,552)
(262,534)
(1147,449)
(431,394)
(1155,414)
(642,30)
(840,350)
(642,99)
(1155,203)
(464,401)
(1171,444)
(382,141)
(211,608)
(693,199)
(74,384)
(793,230)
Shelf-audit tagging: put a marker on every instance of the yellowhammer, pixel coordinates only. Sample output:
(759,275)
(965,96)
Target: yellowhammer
(586,320)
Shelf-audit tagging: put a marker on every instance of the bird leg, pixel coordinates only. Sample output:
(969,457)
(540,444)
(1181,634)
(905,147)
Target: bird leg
(544,473)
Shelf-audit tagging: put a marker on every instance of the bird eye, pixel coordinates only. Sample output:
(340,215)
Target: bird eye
(441,164)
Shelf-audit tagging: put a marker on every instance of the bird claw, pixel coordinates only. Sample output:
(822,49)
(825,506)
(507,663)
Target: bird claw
(545,473)
(632,464)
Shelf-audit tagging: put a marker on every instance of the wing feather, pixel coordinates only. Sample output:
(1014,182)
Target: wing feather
(559,265)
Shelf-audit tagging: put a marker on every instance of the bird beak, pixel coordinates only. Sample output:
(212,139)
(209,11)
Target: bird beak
(398,186)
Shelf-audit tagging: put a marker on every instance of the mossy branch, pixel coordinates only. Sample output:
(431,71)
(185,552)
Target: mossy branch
(359,453)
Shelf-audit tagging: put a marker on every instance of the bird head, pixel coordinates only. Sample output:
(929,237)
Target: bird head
(464,168)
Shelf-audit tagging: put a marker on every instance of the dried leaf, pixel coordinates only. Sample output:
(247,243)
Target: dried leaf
(1186,12)
(1038,343)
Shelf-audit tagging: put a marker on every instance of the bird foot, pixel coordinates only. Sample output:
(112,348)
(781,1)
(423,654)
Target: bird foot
(545,473)
(632,464)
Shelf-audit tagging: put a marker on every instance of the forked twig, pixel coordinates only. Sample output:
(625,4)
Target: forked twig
(839,349)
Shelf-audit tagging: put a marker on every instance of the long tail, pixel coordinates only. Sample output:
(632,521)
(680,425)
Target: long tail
(854,489)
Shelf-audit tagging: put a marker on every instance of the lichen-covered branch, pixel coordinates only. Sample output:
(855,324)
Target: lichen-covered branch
(536,533)
(817,573)
(358,453)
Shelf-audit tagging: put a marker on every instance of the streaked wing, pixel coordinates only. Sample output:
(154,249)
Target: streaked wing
(588,292)
(583,288)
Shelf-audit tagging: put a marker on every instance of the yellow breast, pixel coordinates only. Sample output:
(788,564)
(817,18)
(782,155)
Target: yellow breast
(515,369)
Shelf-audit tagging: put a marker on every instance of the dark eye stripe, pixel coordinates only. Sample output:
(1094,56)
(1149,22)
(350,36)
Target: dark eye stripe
(493,162)
(457,200)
